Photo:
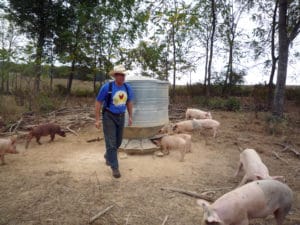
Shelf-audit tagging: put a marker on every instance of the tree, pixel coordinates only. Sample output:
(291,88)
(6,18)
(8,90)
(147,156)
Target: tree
(8,48)
(231,14)
(288,29)
(35,18)
(172,20)
(266,15)
(149,57)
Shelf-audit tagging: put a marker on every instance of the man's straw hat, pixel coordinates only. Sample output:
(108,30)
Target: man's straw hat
(118,69)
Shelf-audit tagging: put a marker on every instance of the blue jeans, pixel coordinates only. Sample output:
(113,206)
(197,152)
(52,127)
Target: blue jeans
(113,126)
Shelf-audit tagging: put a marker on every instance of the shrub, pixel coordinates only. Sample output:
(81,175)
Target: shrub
(45,103)
(60,89)
(83,93)
(276,125)
(232,104)
(216,103)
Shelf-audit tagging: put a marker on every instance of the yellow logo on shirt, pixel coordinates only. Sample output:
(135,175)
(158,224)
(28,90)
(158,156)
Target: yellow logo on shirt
(120,98)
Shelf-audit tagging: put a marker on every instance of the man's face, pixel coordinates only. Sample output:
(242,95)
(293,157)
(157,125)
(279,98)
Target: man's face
(119,77)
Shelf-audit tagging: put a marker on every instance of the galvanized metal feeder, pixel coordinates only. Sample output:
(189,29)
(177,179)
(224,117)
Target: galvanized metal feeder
(150,114)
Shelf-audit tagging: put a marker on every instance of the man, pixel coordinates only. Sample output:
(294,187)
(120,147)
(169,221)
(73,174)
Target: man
(114,97)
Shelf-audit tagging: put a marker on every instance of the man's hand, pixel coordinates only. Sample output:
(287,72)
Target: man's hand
(97,124)
(129,121)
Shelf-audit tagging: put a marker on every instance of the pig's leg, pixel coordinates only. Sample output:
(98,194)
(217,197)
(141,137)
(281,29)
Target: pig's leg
(280,215)
(244,222)
(189,147)
(244,180)
(215,131)
(52,137)
(182,153)
(27,142)
(38,140)
(2,159)
(165,150)
(239,169)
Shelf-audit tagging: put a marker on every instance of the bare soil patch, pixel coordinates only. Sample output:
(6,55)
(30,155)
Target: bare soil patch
(67,181)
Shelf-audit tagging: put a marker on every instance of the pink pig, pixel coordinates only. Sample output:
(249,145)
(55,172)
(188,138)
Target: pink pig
(7,146)
(257,199)
(183,126)
(188,140)
(254,168)
(197,114)
(172,142)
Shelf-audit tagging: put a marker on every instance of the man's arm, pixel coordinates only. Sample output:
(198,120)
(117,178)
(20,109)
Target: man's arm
(129,110)
(97,113)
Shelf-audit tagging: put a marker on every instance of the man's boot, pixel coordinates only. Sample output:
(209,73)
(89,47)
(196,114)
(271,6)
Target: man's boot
(116,173)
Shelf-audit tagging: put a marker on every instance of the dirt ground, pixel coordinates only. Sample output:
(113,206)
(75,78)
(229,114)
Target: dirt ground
(67,181)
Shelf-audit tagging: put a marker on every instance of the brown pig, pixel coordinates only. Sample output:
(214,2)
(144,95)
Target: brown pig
(172,142)
(44,130)
(257,199)
(254,168)
(7,146)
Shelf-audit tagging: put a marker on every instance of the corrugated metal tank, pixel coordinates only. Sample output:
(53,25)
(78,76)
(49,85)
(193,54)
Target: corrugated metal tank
(150,107)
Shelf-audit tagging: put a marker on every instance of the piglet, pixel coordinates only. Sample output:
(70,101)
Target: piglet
(206,124)
(7,146)
(257,199)
(254,168)
(44,130)
(188,141)
(172,142)
(184,126)
(197,114)
(166,129)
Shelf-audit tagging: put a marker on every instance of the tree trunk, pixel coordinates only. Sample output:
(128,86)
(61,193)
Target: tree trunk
(278,102)
(274,58)
(213,12)
(206,64)
(74,53)
(71,76)
(174,59)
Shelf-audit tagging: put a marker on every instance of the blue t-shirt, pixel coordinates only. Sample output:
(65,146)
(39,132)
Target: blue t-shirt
(119,97)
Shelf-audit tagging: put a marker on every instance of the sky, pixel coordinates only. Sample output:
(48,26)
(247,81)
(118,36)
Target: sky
(255,71)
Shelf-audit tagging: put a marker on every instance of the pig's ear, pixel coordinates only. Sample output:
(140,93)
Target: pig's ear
(279,178)
(258,177)
(211,215)
(203,203)
(213,218)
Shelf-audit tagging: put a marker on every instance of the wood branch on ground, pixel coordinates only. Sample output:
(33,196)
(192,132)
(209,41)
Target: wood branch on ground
(291,147)
(165,220)
(100,214)
(94,139)
(189,193)
(72,131)
(280,158)
(127,219)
